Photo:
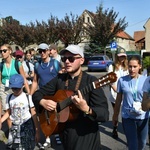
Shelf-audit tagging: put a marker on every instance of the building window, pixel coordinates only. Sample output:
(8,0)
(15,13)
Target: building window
(83,19)
(88,19)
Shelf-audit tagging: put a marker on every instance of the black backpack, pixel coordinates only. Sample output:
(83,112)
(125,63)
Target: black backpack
(29,72)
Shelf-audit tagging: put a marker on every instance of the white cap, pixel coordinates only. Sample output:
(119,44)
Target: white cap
(43,46)
(74,49)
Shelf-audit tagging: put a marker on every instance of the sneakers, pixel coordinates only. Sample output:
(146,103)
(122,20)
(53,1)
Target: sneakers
(115,133)
(3,137)
(9,146)
(47,145)
(40,146)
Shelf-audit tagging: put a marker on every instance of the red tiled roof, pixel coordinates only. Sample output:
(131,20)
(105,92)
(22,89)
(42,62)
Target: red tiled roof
(124,35)
(138,35)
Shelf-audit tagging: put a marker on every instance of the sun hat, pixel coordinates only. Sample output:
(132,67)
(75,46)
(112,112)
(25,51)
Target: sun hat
(16,81)
(74,49)
(121,52)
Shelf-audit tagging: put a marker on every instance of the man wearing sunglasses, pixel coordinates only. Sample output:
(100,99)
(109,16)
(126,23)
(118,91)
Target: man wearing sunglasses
(86,109)
(45,69)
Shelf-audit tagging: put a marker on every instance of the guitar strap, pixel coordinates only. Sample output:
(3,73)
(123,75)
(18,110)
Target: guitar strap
(77,84)
(63,105)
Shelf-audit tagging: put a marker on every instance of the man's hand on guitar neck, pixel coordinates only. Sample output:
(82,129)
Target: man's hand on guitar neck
(48,104)
(81,103)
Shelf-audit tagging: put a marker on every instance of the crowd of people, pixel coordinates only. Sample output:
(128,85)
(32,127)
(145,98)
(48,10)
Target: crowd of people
(53,92)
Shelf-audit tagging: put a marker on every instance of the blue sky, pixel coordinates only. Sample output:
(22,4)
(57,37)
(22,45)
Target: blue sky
(136,12)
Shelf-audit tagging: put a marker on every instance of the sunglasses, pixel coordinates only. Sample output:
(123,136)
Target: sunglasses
(18,57)
(42,51)
(70,58)
(3,50)
(16,89)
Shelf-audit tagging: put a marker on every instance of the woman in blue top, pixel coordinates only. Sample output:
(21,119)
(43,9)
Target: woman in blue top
(146,99)
(130,94)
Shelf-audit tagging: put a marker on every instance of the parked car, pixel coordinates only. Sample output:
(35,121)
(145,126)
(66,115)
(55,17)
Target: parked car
(99,62)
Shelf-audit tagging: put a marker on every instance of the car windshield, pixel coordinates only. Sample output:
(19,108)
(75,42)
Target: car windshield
(96,58)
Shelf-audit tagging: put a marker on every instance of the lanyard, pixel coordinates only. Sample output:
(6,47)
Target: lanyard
(43,65)
(133,88)
(8,70)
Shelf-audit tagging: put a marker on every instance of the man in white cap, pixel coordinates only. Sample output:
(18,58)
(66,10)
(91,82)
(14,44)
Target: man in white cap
(88,106)
(44,71)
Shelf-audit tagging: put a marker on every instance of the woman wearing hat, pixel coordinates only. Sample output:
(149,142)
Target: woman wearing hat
(120,67)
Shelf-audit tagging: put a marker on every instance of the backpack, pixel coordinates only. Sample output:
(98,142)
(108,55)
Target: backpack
(16,66)
(27,63)
(29,72)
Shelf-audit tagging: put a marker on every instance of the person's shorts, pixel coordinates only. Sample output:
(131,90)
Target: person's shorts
(4,91)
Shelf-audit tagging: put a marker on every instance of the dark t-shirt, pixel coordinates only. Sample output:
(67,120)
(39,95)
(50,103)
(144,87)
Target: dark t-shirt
(83,132)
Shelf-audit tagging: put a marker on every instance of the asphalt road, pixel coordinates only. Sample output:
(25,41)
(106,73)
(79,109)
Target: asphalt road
(107,142)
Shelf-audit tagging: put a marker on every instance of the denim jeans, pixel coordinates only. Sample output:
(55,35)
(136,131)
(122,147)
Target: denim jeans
(136,132)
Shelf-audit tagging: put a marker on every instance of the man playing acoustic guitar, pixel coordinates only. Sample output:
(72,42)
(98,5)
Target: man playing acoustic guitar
(72,104)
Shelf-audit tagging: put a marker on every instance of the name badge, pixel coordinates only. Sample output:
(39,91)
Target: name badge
(7,83)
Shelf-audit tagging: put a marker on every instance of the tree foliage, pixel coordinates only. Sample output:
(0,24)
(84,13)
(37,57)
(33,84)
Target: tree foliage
(68,30)
(104,27)
(146,62)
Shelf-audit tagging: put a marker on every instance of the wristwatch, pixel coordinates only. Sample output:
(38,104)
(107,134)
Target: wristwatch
(88,112)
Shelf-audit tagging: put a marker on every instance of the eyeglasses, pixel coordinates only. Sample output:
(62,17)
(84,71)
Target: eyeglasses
(70,58)
(18,57)
(42,50)
(3,50)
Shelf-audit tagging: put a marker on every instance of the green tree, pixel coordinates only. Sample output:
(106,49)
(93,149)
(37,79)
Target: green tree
(105,27)
(69,29)
(52,31)
(146,62)
(11,31)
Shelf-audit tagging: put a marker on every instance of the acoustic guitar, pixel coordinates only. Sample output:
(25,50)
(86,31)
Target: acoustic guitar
(53,122)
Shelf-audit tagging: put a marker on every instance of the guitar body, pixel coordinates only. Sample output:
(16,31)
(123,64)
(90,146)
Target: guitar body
(52,122)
